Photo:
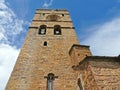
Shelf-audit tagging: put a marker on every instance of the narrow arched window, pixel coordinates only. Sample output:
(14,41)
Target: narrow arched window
(42,29)
(57,30)
(45,43)
(50,81)
(80,84)
(63,15)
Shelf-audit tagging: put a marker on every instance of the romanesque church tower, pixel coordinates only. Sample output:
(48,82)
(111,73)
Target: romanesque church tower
(51,57)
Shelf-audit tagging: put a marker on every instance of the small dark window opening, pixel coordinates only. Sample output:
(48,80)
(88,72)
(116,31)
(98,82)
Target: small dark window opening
(45,43)
(43,14)
(42,29)
(63,15)
(80,84)
(57,30)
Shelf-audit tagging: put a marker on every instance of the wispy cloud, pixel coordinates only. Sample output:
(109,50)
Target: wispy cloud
(47,4)
(10,25)
(105,38)
(10,28)
(118,1)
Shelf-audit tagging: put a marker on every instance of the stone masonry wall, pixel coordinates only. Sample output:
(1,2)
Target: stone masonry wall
(107,74)
(87,77)
(36,60)
(78,53)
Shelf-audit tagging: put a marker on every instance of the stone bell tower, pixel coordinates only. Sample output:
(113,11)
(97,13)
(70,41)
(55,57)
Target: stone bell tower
(44,62)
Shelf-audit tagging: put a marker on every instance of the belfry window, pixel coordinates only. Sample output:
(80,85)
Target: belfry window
(57,30)
(42,29)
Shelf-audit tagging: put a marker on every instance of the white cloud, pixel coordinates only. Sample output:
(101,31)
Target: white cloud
(8,56)
(47,4)
(105,38)
(10,28)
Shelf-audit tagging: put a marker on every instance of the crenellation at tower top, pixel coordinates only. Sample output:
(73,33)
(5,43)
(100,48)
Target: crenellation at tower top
(52,15)
(52,10)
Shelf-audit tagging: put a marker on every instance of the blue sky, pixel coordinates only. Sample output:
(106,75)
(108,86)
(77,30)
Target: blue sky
(97,24)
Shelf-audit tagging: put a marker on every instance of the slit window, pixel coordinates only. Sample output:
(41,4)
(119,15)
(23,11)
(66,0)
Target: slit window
(57,30)
(80,84)
(42,29)
(43,14)
(45,43)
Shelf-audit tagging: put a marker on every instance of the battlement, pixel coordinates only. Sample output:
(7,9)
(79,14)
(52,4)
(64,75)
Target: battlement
(52,9)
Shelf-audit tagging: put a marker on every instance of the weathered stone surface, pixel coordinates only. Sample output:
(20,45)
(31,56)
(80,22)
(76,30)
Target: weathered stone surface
(36,60)
(78,53)
(99,73)
(107,73)
(62,55)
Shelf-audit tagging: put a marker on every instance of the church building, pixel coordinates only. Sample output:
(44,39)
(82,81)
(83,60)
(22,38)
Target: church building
(51,58)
